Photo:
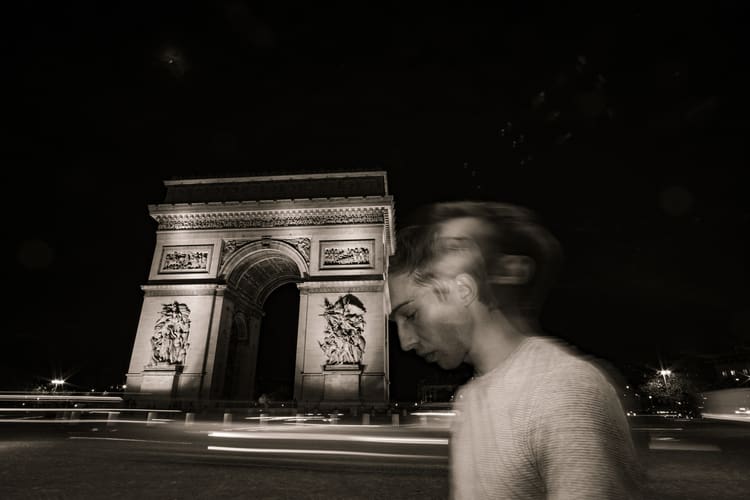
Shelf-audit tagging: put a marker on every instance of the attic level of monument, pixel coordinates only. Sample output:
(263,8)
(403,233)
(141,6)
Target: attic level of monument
(276,187)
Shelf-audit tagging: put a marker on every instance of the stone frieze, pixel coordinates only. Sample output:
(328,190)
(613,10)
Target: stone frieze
(269,219)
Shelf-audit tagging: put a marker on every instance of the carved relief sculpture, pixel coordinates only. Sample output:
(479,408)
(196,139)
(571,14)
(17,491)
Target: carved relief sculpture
(186,259)
(303,246)
(236,220)
(344,342)
(169,342)
(230,246)
(346,254)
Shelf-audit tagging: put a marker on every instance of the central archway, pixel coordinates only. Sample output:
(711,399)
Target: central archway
(253,273)
(277,348)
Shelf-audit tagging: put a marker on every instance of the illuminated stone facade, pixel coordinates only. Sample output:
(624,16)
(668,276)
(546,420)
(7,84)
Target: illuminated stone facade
(222,248)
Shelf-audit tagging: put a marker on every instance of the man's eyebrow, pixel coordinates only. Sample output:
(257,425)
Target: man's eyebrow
(402,304)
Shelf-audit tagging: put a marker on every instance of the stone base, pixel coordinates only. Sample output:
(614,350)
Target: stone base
(342,382)
(160,380)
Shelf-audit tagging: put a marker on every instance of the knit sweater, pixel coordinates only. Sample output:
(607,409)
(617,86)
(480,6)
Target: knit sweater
(546,423)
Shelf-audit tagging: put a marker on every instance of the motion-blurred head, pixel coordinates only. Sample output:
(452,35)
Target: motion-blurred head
(462,265)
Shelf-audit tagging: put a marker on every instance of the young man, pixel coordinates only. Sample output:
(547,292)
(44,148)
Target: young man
(537,420)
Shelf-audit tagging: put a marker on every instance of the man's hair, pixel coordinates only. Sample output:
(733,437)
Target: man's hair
(511,230)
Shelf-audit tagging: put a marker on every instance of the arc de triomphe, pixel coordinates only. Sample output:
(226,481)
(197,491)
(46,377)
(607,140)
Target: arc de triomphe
(223,245)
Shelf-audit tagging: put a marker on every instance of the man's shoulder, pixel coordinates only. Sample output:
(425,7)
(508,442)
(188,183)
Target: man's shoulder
(547,354)
(541,365)
(548,362)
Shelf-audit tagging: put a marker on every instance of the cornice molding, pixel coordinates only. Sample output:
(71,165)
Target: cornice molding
(340,286)
(157,290)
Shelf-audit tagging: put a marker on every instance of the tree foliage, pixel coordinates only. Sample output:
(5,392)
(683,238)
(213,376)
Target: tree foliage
(670,391)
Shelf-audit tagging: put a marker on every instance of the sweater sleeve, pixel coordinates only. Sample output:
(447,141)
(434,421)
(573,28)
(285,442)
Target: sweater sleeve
(580,438)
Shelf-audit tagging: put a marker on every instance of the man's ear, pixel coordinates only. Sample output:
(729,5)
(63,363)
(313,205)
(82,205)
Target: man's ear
(513,270)
(467,288)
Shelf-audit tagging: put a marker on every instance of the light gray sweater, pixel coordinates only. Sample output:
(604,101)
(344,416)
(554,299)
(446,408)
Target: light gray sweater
(544,424)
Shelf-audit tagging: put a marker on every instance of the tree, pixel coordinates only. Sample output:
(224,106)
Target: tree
(671,390)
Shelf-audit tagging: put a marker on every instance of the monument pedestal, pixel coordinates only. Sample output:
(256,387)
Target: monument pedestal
(161,379)
(342,382)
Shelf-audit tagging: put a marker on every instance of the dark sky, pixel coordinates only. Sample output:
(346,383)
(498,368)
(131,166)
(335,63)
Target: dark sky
(623,124)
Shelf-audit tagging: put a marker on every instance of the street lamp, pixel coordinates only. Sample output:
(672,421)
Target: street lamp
(57,382)
(665,373)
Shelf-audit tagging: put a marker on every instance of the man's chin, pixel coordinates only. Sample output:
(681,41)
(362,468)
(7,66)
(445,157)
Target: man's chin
(447,364)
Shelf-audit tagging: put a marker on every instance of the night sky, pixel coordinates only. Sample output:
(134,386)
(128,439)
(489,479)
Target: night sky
(622,124)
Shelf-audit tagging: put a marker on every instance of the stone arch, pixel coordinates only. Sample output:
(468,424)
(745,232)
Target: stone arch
(253,271)
(224,245)
(261,266)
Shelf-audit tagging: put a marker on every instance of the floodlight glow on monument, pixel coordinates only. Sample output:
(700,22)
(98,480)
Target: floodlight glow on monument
(224,245)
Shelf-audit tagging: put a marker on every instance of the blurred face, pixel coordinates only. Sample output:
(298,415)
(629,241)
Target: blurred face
(436,327)
(464,227)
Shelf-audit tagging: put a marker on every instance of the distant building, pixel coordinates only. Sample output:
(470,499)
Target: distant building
(733,370)
(715,371)
(441,387)
(436,393)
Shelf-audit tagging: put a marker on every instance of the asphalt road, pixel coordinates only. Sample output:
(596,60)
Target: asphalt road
(684,459)
(89,459)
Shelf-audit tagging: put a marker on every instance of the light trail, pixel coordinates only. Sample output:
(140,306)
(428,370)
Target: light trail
(81,421)
(330,437)
(680,446)
(88,410)
(657,428)
(727,416)
(26,397)
(126,439)
(295,451)
(434,413)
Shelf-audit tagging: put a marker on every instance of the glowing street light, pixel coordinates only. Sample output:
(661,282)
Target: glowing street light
(57,382)
(664,374)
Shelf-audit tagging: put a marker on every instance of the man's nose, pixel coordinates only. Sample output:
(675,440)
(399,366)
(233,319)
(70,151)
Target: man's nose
(407,338)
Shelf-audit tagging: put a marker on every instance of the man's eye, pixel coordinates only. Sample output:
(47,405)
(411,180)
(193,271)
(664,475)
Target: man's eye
(410,317)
